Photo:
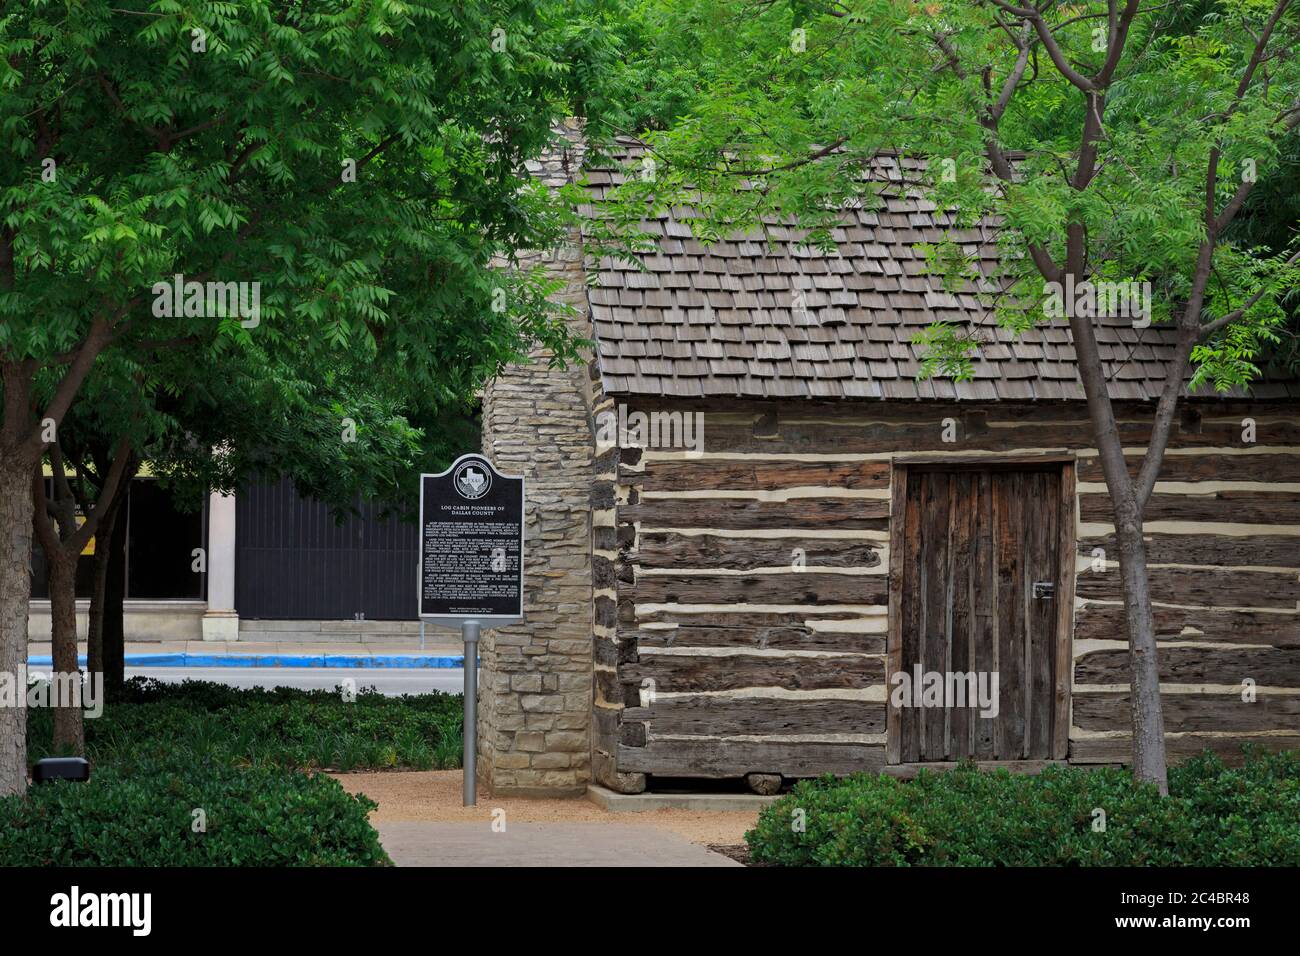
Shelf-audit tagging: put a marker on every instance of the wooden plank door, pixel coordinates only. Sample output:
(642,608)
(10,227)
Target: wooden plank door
(980,576)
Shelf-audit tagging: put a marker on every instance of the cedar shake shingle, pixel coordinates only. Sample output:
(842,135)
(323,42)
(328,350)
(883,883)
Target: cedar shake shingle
(762,316)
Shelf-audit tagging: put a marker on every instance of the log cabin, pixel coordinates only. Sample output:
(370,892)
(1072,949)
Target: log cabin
(752,526)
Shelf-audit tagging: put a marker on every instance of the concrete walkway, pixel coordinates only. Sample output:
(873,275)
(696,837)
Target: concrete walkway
(422,822)
(414,843)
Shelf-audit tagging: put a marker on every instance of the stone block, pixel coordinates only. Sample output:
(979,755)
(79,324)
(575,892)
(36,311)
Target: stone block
(560,741)
(531,742)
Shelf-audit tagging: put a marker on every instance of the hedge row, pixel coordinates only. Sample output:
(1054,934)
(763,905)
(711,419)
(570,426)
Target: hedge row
(201,721)
(170,813)
(1065,816)
(201,774)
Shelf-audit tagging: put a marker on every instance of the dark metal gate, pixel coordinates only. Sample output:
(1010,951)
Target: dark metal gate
(293,561)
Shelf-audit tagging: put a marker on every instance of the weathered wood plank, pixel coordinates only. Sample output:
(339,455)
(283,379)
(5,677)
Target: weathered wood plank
(1232,507)
(760,414)
(984,581)
(715,759)
(898,510)
(800,438)
(752,476)
(1230,410)
(1041,538)
(667,549)
(1106,622)
(758,716)
(793,638)
(965,502)
(1223,550)
(687,617)
(683,673)
(1207,467)
(604,611)
(1220,433)
(936,607)
(1009,507)
(795,587)
(603,572)
(609,689)
(750,410)
(1120,749)
(910,645)
(1207,587)
(808,437)
(1064,654)
(736,514)
(605,728)
(1266,666)
(1109,710)
(605,650)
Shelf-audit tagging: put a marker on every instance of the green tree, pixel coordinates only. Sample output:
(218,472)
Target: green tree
(1113,140)
(89,466)
(362,162)
(340,431)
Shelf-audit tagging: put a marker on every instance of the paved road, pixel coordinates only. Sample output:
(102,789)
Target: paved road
(388,680)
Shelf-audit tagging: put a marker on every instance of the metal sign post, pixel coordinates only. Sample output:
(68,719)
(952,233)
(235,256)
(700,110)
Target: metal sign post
(471,565)
(469,634)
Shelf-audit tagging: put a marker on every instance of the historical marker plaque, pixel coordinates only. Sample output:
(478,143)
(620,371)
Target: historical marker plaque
(471,544)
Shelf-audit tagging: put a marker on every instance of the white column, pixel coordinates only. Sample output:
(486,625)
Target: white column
(221,620)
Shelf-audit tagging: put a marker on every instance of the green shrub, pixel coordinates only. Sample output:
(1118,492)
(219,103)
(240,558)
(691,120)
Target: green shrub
(202,721)
(1214,816)
(161,751)
(144,816)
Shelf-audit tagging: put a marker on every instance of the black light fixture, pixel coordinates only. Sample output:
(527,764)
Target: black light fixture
(61,768)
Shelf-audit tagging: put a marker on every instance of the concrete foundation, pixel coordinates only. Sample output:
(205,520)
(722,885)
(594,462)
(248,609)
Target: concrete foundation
(143,621)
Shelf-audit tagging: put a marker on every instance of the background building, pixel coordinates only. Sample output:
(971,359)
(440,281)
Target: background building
(279,567)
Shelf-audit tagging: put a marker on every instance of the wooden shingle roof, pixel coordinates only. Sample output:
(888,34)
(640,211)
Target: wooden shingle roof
(764,316)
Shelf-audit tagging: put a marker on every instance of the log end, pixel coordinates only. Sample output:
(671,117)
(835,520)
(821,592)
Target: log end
(764,784)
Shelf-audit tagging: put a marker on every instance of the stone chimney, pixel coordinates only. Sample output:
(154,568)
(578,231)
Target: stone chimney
(535,683)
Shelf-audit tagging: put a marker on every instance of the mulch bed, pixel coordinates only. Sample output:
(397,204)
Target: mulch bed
(738,852)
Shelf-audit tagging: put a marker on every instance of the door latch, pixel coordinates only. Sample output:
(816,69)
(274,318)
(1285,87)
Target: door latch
(1044,590)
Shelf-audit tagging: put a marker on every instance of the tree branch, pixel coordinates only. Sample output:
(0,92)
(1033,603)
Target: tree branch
(1054,51)
(40,516)
(100,334)
(1012,81)
(83,535)
(1209,328)
(1162,425)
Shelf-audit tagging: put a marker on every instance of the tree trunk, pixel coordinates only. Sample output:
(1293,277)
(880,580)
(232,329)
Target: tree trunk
(99,591)
(69,735)
(1125,495)
(15,591)
(113,635)
(1148,715)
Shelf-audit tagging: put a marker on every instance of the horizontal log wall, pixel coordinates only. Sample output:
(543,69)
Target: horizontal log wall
(746,584)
